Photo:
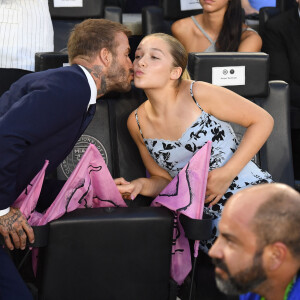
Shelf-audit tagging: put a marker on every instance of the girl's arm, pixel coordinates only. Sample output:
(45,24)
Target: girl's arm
(250,42)
(159,178)
(229,106)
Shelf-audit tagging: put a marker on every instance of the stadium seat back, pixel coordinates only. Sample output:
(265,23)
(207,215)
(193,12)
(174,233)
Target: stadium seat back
(247,75)
(108,253)
(160,18)
(65,18)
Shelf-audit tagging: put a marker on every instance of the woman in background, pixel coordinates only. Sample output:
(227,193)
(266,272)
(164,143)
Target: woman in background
(219,28)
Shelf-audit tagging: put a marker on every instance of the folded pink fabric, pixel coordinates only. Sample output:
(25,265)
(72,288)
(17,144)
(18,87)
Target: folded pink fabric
(90,185)
(185,194)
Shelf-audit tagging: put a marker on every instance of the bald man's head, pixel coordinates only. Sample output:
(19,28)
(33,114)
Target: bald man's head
(272,212)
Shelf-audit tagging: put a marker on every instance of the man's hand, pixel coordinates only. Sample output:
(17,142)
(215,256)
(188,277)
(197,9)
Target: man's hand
(14,226)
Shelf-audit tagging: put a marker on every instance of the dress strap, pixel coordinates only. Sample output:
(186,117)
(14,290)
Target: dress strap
(192,94)
(138,123)
(202,30)
(249,29)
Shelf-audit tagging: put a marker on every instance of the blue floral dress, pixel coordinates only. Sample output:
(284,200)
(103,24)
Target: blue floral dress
(174,155)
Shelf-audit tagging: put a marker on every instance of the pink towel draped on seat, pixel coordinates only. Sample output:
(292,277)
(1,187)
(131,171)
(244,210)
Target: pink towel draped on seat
(91,185)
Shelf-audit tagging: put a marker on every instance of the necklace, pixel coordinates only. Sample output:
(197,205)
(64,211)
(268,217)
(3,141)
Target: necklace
(287,290)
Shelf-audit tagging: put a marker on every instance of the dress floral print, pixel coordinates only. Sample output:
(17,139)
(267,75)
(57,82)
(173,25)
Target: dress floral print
(174,155)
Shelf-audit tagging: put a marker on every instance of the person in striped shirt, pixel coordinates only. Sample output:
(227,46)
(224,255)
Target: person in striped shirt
(25,28)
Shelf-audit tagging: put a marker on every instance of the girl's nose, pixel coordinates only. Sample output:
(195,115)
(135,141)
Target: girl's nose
(142,62)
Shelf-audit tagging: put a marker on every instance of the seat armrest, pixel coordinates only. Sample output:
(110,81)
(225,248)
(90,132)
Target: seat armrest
(197,229)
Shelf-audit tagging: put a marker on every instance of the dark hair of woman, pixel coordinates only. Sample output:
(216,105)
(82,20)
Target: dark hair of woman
(230,34)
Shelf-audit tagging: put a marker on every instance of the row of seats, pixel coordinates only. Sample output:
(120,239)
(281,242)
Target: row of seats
(200,66)
(154,18)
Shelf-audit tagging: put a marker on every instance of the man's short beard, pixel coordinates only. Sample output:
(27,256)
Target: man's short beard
(117,78)
(243,282)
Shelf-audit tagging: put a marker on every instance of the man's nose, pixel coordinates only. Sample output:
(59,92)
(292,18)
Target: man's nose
(215,250)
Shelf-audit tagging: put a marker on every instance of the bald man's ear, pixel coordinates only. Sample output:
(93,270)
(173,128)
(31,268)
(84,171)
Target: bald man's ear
(105,56)
(275,255)
(176,73)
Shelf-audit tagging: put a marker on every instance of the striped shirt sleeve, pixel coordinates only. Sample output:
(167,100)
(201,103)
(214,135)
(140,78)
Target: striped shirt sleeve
(25,28)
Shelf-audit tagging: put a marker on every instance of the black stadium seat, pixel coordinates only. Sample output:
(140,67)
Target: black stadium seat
(160,18)
(271,95)
(65,18)
(106,254)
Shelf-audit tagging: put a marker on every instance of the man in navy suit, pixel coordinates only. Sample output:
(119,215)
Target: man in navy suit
(43,115)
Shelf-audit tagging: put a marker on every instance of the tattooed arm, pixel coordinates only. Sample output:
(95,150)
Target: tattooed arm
(14,226)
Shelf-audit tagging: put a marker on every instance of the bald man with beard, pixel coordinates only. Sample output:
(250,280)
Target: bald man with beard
(258,249)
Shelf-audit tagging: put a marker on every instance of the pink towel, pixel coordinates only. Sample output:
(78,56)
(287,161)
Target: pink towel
(185,194)
(91,185)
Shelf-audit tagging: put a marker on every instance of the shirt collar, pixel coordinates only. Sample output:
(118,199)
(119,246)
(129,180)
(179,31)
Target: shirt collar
(92,85)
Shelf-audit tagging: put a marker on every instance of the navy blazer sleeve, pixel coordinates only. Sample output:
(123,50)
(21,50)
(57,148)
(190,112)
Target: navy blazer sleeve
(50,104)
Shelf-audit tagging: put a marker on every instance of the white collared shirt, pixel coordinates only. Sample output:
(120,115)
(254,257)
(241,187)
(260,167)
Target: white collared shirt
(92,85)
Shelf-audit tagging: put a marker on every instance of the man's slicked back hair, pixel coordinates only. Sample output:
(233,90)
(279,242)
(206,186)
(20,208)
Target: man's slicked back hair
(90,36)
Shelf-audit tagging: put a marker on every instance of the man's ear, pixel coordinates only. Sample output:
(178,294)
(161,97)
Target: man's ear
(275,255)
(176,73)
(105,56)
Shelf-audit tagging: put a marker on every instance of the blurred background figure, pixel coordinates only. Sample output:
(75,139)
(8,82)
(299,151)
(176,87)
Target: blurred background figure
(281,40)
(219,28)
(25,28)
(253,6)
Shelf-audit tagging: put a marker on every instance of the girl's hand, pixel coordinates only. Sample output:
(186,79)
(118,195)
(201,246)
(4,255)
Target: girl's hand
(218,182)
(129,190)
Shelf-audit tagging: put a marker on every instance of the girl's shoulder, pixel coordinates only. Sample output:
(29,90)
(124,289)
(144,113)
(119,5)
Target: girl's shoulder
(183,26)
(200,90)
(250,40)
(183,21)
(133,122)
(140,110)
(247,30)
(196,86)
